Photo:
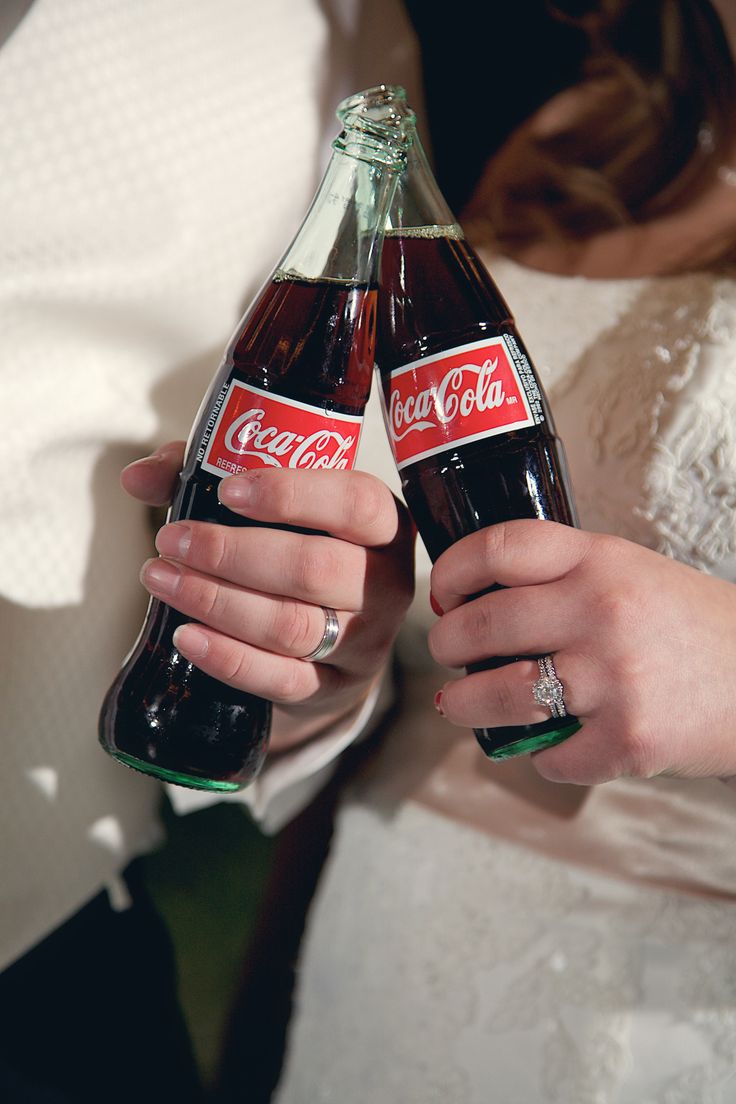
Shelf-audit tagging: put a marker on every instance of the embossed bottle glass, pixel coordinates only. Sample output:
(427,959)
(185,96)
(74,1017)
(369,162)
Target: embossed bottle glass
(290,392)
(468,421)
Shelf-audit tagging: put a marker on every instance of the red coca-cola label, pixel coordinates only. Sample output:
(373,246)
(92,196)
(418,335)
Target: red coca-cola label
(251,429)
(458,396)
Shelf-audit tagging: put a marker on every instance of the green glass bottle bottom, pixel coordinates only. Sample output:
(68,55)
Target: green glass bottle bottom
(165,775)
(529,744)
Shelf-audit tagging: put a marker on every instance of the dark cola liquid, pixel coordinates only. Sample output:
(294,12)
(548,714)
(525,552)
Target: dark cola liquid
(307,340)
(436,295)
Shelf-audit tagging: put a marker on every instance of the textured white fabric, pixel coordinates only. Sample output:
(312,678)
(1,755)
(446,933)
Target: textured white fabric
(156,159)
(560,946)
(443,966)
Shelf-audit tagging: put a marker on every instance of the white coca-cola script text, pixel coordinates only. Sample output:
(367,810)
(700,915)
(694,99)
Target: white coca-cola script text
(450,398)
(324,448)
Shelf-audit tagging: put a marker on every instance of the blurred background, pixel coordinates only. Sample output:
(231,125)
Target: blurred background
(208,882)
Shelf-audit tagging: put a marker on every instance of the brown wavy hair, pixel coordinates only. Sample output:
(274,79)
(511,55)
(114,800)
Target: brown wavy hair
(648,132)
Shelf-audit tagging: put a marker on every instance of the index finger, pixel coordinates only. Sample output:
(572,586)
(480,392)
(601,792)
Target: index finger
(351,505)
(514,553)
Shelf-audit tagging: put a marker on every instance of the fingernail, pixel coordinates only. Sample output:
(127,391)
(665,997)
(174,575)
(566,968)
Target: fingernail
(191,641)
(160,577)
(238,491)
(438,703)
(436,607)
(174,540)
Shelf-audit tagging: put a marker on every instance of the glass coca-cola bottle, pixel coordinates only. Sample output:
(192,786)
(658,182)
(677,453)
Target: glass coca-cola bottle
(467,418)
(290,392)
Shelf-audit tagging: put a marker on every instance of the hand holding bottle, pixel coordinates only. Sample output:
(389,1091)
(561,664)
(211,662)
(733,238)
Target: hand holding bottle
(644,646)
(289,393)
(469,424)
(257,593)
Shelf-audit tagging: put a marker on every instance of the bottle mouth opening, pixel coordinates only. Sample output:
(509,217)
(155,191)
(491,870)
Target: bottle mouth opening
(383,103)
(378,95)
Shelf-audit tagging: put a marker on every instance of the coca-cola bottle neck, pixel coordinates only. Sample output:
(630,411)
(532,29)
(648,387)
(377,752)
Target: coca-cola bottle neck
(341,235)
(418,203)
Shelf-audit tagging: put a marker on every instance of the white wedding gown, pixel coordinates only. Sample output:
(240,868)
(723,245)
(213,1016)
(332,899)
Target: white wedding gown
(481,936)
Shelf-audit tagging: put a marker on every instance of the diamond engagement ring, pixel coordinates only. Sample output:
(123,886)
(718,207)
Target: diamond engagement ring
(329,636)
(548,690)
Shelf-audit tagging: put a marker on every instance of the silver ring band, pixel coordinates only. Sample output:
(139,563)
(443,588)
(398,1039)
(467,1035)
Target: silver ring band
(548,690)
(329,636)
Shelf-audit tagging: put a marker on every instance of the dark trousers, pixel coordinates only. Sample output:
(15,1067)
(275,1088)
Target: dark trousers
(91,1016)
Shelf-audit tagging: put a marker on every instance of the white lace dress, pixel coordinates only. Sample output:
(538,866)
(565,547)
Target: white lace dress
(483,937)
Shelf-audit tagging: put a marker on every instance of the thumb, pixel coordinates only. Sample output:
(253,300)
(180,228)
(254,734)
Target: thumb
(153,478)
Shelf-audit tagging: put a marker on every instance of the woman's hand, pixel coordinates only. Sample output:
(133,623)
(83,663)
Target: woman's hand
(644,646)
(257,593)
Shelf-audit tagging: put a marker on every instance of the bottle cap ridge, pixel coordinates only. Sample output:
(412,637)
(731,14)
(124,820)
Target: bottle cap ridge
(372,140)
(385,104)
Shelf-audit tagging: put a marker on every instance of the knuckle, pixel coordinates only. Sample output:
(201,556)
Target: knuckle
(614,611)
(478,622)
(636,752)
(443,648)
(464,630)
(283,497)
(290,688)
(212,548)
(495,539)
(236,664)
(608,546)
(505,694)
(435,643)
(556,766)
(205,597)
(316,566)
(547,765)
(366,504)
(631,670)
(292,627)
